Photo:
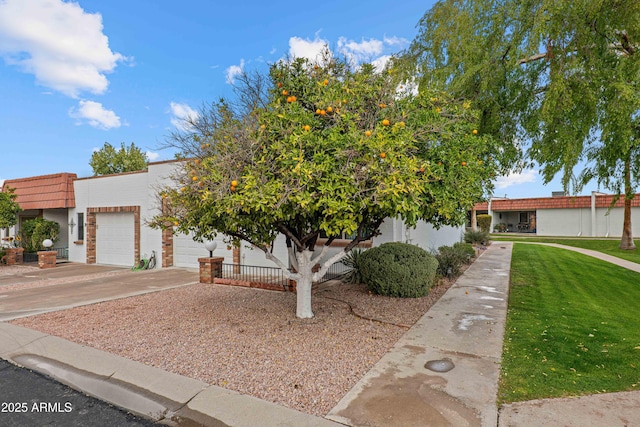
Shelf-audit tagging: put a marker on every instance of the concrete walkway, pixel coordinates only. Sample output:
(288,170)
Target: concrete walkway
(462,332)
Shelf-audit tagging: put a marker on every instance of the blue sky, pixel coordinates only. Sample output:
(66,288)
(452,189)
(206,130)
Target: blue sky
(74,75)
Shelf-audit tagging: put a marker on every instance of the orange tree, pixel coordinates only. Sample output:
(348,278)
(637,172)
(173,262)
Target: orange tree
(323,148)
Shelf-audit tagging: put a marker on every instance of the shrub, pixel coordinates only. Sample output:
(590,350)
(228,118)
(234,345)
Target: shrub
(466,251)
(398,269)
(449,261)
(477,237)
(35,231)
(353,260)
(484,222)
(2,254)
(451,258)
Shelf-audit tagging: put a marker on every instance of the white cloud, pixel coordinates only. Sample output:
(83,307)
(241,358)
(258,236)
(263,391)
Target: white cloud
(512,179)
(151,156)
(95,114)
(59,43)
(396,41)
(234,71)
(305,48)
(366,50)
(381,62)
(182,112)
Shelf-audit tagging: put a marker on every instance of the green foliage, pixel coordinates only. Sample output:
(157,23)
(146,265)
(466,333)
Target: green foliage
(452,258)
(476,237)
(562,75)
(466,251)
(572,326)
(352,260)
(398,269)
(484,222)
(35,231)
(108,160)
(9,209)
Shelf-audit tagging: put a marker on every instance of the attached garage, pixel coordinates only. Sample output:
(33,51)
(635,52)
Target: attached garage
(115,238)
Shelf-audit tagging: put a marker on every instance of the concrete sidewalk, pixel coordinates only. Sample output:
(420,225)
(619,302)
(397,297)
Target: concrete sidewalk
(462,332)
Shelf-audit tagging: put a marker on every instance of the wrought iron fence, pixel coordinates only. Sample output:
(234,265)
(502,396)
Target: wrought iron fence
(254,273)
(61,253)
(336,271)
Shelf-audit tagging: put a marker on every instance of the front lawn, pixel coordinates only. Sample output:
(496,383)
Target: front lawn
(607,246)
(572,327)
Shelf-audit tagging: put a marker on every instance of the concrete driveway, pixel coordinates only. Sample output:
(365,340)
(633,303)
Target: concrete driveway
(72,285)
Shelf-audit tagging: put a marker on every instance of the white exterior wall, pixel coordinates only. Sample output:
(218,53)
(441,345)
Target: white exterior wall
(563,222)
(578,222)
(59,216)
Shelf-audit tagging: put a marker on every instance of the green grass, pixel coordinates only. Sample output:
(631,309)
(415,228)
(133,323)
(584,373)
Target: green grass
(607,246)
(573,326)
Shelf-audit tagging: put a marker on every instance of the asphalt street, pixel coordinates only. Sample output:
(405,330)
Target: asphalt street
(28,398)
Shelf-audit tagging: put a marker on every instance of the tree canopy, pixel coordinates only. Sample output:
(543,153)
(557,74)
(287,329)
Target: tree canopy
(9,208)
(108,160)
(561,75)
(317,147)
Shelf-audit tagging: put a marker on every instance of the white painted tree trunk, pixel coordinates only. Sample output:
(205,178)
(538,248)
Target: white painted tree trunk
(304,284)
(304,276)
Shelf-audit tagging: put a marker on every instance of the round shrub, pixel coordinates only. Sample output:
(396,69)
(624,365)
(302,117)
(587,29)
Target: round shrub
(398,270)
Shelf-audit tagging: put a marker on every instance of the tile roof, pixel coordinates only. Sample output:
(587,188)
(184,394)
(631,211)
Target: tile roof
(565,202)
(45,191)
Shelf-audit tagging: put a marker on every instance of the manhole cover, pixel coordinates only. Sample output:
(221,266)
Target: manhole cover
(440,365)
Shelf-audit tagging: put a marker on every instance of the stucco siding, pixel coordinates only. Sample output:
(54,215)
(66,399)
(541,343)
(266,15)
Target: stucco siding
(563,222)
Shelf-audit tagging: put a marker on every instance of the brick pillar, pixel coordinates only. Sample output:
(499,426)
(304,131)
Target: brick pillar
(14,255)
(47,259)
(236,259)
(167,247)
(210,268)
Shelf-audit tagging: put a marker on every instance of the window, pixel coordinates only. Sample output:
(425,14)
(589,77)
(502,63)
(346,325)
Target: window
(343,240)
(81,226)
(524,217)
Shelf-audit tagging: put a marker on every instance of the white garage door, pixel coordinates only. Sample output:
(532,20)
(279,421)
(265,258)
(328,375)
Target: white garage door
(186,251)
(115,239)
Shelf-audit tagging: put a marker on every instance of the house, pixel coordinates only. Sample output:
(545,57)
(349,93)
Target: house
(47,196)
(562,215)
(106,222)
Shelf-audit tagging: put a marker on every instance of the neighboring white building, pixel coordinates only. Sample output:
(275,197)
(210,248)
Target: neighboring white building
(577,216)
(106,223)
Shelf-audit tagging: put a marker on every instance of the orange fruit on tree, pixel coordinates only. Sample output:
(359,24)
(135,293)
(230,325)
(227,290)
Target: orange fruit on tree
(176,223)
(195,178)
(421,169)
(367,133)
(325,82)
(475,131)
(279,84)
(383,155)
(234,183)
(201,184)
(306,128)
(329,110)
(386,122)
(464,163)
(383,105)
(323,113)
(285,92)
(263,127)
(318,111)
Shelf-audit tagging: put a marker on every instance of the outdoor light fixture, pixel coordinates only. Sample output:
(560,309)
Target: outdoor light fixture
(210,246)
(47,243)
(71,225)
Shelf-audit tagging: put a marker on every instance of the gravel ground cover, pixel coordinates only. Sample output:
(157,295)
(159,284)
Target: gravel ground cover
(249,340)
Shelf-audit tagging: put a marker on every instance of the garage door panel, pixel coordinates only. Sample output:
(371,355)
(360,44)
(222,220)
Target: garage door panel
(115,239)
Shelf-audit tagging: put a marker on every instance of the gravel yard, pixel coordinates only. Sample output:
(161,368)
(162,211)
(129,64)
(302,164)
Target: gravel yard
(249,340)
